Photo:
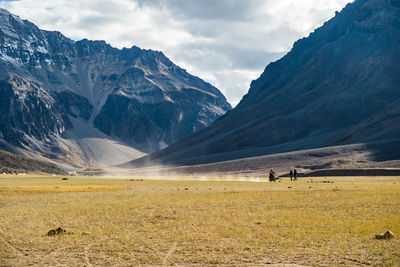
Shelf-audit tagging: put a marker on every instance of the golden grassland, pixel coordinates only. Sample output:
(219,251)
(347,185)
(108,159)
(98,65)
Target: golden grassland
(307,222)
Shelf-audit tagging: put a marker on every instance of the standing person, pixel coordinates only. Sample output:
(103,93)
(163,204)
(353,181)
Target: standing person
(271,176)
(291,175)
(295,174)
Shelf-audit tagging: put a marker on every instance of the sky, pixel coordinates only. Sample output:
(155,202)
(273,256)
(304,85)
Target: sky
(228,43)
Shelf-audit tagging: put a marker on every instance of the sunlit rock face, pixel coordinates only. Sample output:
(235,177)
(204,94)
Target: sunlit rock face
(56,92)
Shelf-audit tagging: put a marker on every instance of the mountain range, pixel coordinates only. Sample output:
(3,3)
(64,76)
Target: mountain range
(85,103)
(338,86)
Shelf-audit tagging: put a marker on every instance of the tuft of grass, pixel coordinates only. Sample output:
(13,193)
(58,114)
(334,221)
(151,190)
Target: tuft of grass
(198,222)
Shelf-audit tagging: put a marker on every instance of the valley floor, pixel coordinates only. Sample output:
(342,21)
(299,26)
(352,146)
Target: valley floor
(134,222)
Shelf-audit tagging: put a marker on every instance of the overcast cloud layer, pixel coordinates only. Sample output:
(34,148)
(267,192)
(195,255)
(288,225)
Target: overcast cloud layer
(225,42)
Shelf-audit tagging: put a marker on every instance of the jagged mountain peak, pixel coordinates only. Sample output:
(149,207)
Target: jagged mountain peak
(7,17)
(133,98)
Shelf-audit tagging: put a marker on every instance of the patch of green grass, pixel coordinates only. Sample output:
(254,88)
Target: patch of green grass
(207,222)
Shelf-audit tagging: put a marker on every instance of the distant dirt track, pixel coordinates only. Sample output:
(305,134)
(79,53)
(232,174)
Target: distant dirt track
(354,172)
(349,160)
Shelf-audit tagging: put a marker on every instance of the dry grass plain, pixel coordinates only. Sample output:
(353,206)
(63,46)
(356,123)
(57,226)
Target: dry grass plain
(198,222)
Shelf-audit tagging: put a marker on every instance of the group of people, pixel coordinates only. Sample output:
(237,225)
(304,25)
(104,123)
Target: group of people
(292,174)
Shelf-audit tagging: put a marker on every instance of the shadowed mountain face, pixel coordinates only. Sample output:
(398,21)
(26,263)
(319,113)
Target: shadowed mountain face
(332,88)
(87,103)
(11,163)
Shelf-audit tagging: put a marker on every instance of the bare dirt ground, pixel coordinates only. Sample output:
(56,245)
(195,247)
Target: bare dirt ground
(311,222)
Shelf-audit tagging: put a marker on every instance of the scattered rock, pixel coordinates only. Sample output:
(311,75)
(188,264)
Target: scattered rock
(289,187)
(57,231)
(387,235)
(186,188)
(64,179)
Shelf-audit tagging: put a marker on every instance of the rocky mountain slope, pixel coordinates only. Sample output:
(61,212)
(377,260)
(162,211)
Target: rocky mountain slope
(11,163)
(338,86)
(87,103)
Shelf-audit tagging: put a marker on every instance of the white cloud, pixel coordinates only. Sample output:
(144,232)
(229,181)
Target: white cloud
(227,43)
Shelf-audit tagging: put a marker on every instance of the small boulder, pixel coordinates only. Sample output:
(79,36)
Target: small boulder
(60,230)
(51,232)
(387,235)
(57,231)
(64,179)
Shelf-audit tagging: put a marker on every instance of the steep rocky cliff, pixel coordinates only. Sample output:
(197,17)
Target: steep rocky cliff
(322,93)
(87,103)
